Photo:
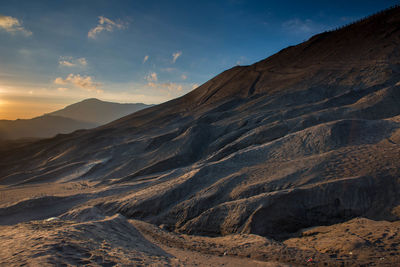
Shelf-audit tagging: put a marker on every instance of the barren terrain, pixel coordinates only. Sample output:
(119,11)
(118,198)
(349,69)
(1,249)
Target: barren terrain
(293,160)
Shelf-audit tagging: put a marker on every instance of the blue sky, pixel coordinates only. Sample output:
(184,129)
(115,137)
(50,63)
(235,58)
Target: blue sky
(54,53)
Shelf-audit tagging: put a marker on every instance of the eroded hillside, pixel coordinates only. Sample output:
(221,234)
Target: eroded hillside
(307,137)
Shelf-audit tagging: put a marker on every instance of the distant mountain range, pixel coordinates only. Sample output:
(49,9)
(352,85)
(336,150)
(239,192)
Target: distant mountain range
(98,112)
(86,114)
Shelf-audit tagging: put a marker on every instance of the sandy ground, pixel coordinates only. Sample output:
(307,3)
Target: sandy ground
(117,241)
(30,238)
(112,241)
(12,195)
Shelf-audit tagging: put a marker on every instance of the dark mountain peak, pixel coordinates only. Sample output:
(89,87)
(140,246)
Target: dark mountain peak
(88,101)
(355,57)
(97,111)
(382,16)
(91,100)
(349,57)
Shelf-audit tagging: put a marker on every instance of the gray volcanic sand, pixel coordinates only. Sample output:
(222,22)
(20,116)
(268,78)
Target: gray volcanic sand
(291,159)
(109,242)
(117,241)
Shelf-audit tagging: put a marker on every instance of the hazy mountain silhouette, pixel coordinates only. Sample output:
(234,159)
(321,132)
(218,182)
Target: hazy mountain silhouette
(86,114)
(99,112)
(40,127)
(307,137)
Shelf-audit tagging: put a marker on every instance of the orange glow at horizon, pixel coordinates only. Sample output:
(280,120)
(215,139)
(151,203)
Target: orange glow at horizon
(12,108)
(25,110)
(18,102)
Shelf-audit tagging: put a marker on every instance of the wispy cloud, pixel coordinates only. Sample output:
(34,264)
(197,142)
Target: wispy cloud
(72,62)
(241,61)
(169,87)
(168,69)
(146,57)
(105,24)
(176,55)
(152,77)
(83,82)
(13,25)
(299,26)
(195,85)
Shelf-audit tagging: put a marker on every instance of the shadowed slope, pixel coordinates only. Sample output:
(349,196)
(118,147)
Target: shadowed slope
(40,127)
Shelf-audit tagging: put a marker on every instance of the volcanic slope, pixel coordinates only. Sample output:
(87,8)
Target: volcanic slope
(307,137)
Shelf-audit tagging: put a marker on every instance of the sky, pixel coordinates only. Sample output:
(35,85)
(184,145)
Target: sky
(55,53)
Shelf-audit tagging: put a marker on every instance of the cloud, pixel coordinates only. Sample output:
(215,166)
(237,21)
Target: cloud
(183,77)
(60,80)
(62,89)
(195,85)
(105,24)
(176,55)
(241,61)
(172,87)
(83,82)
(168,69)
(146,57)
(169,87)
(299,26)
(13,25)
(82,61)
(66,63)
(72,62)
(152,77)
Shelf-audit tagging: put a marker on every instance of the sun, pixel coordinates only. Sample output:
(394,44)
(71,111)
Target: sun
(3,104)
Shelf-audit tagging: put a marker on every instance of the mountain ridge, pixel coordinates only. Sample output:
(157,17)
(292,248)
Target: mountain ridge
(93,110)
(40,127)
(276,81)
(86,114)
